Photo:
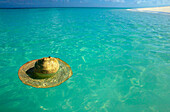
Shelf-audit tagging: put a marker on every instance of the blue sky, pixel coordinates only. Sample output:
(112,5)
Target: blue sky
(82,3)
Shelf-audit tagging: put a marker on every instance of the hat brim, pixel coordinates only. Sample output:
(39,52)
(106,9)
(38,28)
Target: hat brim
(26,75)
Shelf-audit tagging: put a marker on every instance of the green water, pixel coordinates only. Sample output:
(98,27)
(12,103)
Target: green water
(120,59)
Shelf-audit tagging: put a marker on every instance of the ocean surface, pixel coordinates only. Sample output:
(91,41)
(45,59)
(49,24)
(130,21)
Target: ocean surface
(120,59)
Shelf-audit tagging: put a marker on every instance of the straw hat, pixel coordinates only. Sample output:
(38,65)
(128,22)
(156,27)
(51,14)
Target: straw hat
(45,72)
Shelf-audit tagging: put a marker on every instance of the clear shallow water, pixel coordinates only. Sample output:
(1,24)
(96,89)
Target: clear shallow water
(120,59)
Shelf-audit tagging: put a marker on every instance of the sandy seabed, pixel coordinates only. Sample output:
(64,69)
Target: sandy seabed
(165,9)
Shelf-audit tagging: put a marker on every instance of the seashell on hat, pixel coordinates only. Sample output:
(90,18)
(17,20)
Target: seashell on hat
(45,72)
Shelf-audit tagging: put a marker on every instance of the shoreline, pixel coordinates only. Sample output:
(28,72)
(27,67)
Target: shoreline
(164,10)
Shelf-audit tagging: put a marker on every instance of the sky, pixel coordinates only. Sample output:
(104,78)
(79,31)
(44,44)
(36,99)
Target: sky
(82,3)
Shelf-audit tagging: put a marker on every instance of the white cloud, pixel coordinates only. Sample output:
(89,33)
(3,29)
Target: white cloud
(61,0)
(54,0)
(121,1)
(156,2)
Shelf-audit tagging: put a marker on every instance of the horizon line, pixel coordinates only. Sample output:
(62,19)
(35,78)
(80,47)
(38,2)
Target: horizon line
(78,7)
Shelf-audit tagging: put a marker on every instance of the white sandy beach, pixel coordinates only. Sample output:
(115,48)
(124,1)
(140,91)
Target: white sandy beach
(165,9)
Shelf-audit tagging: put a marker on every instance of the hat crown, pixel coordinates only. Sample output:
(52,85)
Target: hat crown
(45,67)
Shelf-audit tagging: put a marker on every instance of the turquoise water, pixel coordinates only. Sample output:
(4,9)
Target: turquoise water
(120,59)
